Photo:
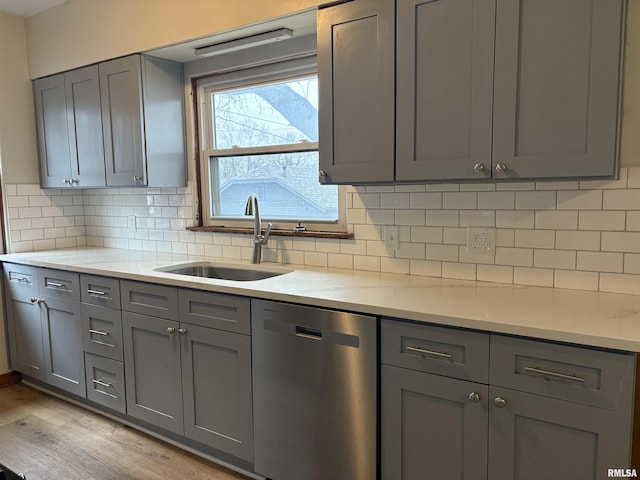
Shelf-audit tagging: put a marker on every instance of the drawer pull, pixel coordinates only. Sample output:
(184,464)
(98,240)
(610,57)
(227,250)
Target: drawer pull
(96,293)
(102,384)
(98,332)
(422,351)
(499,402)
(549,373)
(53,284)
(474,397)
(20,279)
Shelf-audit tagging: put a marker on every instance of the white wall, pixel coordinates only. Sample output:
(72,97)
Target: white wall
(18,160)
(80,32)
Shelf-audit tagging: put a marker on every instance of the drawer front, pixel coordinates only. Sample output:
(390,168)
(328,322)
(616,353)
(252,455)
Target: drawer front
(102,331)
(583,375)
(105,382)
(59,284)
(149,299)
(444,351)
(103,291)
(20,278)
(215,310)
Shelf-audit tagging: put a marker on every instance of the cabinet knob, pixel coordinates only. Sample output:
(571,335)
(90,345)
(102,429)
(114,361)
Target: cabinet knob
(137,178)
(171,330)
(73,181)
(40,301)
(501,168)
(500,402)
(479,167)
(33,299)
(474,397)
(182,331)
(323,176)
(66,181)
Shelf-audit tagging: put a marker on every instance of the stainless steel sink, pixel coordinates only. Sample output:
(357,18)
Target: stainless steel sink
(237,273)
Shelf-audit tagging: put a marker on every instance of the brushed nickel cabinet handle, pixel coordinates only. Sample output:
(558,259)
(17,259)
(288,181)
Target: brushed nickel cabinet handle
(422,351)
(501,168)
(171,330)
(102,384)
(54,284)
(479,167)
(500,402)
(549,373)
(98,332)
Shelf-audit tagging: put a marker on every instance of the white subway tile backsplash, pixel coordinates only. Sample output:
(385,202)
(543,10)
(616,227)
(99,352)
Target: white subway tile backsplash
(579,235)
(600,261)
(527,200)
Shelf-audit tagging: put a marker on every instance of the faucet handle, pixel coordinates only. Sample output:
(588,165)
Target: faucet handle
(265,238)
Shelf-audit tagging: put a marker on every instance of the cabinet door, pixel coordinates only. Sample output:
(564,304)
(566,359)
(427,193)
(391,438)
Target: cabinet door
(85,127)
(121,97)
(539,438)
(152,370)
(53,137)
(444,89)
(62,335)
(556,87)
(432,426)
(356,91)
(25,334)
(216,375)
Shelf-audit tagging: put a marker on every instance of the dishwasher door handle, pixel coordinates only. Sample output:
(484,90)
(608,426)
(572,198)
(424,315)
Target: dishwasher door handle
(309,333)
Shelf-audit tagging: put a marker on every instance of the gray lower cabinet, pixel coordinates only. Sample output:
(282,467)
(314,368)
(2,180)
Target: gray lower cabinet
(44,325)
(152,370)
(540,438)
(25,334)
(143,122)
(69,126)
(63,352)
(186,378)
(546,410)
(102,341)
(433,426)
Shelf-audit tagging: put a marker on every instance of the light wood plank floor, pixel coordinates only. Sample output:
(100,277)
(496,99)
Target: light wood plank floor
(49,439)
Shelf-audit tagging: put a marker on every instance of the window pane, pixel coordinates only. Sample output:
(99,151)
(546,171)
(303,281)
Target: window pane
(286,185)
(272,114)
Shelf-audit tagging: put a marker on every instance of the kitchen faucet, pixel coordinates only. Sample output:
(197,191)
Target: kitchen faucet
(258,239)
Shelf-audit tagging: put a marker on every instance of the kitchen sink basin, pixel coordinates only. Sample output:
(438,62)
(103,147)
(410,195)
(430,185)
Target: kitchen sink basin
(237,273)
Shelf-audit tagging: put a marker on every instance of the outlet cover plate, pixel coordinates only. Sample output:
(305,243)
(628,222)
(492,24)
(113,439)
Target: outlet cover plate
(481,241)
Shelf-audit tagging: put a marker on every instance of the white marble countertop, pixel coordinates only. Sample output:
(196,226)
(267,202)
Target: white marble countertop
(588,318)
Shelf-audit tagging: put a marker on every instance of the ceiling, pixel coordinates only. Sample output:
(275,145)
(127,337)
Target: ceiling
(27,8)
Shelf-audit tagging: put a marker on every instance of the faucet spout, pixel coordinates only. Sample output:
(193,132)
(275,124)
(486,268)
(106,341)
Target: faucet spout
(258,239)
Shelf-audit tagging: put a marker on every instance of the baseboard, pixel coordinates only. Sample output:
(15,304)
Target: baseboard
(10,378)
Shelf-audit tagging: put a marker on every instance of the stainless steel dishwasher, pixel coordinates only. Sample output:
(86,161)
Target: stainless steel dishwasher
(314,393)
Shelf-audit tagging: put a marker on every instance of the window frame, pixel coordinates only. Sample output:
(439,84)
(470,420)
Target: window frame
(240,78)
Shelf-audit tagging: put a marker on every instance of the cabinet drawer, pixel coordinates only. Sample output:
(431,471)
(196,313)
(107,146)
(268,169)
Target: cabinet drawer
(59,283)
(215,310)
(149,299)
(105,382)
(583,375)
(443,351)
(101,291)
(102,331)
(20,278)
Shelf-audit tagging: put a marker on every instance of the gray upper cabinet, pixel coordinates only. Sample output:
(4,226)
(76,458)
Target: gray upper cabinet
(445,85)
(356,89)
(69,125)
(485,89)
(556,88)
(143,122)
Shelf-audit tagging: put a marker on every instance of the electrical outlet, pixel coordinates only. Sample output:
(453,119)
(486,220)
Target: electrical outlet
(481,241)
(391,240)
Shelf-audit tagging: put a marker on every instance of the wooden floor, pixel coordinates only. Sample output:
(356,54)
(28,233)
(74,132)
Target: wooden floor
(49,439)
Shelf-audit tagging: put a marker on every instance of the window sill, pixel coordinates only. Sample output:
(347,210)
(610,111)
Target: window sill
(279,233)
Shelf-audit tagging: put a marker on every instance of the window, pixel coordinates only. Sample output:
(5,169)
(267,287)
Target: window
(260,135)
